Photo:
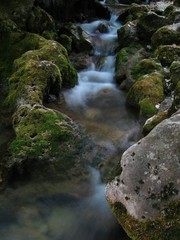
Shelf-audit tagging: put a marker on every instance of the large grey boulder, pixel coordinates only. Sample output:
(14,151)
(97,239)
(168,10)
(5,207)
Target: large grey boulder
(145,196)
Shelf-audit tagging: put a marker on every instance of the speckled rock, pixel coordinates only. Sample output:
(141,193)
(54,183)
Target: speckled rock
(145,196)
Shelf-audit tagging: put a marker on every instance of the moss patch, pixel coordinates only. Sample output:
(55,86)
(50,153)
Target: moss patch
(146,66)
(38,131)
(164,227)
(146,93)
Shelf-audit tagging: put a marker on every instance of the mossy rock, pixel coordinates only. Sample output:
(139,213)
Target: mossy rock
(175,72)
(80,39)
(18,11)
(164,227)
(147,109)
(146,93)
(153,121)
(149,23)
(166,35)
(66,41)
(168,54)
(33,81)
(40,21)
(126,60)
(145,66)
(38,130)
(172,13)
(127,34)
(50,35)
(13,46)
(176,103)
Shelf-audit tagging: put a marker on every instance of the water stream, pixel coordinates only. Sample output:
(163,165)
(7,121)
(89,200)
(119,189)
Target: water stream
(44,211)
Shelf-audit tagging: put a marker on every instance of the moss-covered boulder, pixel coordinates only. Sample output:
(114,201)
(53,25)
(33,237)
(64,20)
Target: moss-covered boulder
(37,63)
(146,93)
(149,23)
(166,35)
(18,11)
(168,54)
(66,41)
(172,13)
(127,34)
(40,21)
(80,39)
(145,196)
(133,12)
(145,66)
(175,72)
(176,103)
(154,121)
(126,60)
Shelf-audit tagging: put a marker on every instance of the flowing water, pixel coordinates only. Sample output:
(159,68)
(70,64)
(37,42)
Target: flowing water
(44,211)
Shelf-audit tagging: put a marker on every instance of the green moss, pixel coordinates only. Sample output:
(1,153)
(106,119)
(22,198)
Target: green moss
(33,81)
(38,131)
(151,123)
(66,41)
(175,72)
(148,87)
(145,66)
(166,35)
(167,54)
(39,21)
(50,35)
(147,109)
(176,102)
(121,57)
(164,227)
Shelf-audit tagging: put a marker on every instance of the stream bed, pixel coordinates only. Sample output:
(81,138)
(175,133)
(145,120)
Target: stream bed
(44,211)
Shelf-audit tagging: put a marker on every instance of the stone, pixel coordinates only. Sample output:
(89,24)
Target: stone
(167,54)
(175,72)
(126,60)
(127,34)
(166,35)
(40,21)
(149,23)
(146,93)
(145,195)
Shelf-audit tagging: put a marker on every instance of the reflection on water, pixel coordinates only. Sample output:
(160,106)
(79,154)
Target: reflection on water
(45,212)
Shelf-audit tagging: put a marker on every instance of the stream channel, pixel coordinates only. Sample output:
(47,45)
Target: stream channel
(98,105)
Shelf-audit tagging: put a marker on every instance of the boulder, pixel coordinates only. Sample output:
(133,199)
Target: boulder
(175,72)
(172,13)
(146,93)
(40,21)
(126,59)
(168,54)
(145,66)
(149,23)
(145,195)
(17,11)
(132,12)
(127,34)
(166,35)
(80,39)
